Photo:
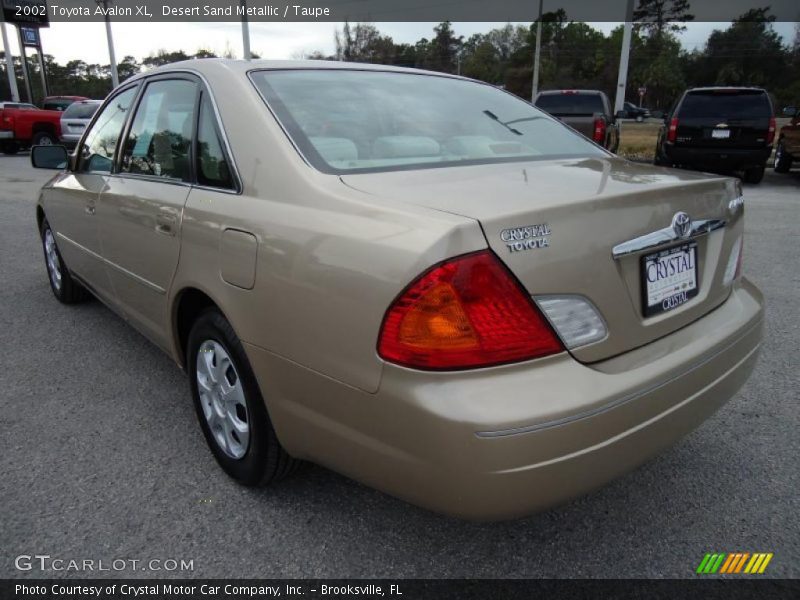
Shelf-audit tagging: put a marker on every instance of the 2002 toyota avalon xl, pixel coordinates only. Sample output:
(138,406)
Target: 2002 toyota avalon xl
(415,279)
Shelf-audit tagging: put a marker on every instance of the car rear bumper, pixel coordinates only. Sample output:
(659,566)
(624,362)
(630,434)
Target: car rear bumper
(6,135)
(506,442)
(720,158)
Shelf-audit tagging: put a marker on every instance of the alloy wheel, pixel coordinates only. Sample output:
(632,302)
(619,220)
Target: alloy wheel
(222,399)
(53,262)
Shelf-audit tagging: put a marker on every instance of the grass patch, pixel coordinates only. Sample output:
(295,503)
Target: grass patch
(638,140)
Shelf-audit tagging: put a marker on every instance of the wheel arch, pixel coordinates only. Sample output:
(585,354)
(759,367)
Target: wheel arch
(187,305)
(45,127)
(39,217)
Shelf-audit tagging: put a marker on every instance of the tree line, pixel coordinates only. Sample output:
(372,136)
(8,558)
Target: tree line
(573,55)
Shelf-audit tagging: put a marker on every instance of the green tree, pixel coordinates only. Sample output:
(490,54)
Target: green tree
(749,52)
(656,17)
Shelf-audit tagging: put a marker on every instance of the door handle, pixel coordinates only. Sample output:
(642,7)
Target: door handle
(165,223)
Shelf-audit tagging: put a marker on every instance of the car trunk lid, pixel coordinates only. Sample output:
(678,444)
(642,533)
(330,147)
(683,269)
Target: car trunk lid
(576,212)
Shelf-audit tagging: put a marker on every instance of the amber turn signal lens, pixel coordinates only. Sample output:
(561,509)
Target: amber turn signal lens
(464,313)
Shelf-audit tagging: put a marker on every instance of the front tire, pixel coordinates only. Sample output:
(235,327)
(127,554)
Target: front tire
(230,407)
(65,288)
(754,174)
(783,160)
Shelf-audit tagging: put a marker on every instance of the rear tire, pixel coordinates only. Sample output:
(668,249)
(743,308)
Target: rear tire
(783,161)
(660,160)
(43,138)
(10,148)
(230,407)
(754,174)
(65,288)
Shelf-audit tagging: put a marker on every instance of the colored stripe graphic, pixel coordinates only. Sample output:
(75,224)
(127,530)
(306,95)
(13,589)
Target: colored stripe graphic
(734,562)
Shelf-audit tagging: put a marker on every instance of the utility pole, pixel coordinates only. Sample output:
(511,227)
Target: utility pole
(42,72)
(622,78)
(111,54)
(12,76)
(536,54)
(245,31)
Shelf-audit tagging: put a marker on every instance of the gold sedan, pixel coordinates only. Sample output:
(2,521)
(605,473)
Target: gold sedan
(417,280)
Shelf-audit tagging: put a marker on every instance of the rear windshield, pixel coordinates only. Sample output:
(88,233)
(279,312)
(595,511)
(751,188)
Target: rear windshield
(571,104)
(81,110)
(728,104)
(347,121)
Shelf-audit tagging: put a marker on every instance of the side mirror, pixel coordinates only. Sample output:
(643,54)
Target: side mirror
(621,114)
(789,111)
(49,157)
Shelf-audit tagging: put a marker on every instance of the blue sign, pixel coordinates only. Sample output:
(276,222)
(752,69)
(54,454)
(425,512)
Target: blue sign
(30,36)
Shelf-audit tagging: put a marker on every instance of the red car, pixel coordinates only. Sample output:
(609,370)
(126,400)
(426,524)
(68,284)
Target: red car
(24,125)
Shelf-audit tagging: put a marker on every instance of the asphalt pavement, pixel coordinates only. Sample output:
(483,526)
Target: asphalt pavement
(101,457)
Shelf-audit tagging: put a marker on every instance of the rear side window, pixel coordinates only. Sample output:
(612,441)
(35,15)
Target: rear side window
(213,168)
(160,138)
(728,104)
(81,110)
(571,104)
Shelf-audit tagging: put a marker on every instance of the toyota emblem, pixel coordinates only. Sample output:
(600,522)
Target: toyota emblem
(682,224)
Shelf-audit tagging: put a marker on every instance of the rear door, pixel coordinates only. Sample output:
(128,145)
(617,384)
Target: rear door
(724,118)
(141,207)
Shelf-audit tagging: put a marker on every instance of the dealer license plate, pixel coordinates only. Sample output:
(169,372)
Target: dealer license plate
(669,278)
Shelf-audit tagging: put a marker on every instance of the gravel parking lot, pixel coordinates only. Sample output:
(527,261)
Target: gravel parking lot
(101,456)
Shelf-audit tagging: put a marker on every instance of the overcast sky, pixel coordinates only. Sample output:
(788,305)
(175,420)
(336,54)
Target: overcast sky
(87,41)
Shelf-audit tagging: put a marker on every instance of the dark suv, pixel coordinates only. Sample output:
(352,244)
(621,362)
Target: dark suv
(719,128)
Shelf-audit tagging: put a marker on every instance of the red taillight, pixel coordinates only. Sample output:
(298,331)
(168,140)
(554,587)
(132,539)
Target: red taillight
(672,132)
(466,312)
(6,122)
(599,134)
(771,131)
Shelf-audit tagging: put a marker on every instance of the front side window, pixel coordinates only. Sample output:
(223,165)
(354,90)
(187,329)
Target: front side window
(213,168)
(347,121)
(160,138)
(101,141)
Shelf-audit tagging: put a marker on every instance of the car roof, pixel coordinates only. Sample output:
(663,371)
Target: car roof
(214,66)
(570,90)
(733,88)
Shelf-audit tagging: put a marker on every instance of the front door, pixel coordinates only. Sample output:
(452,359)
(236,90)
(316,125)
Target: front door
(141,206)
(72,202)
